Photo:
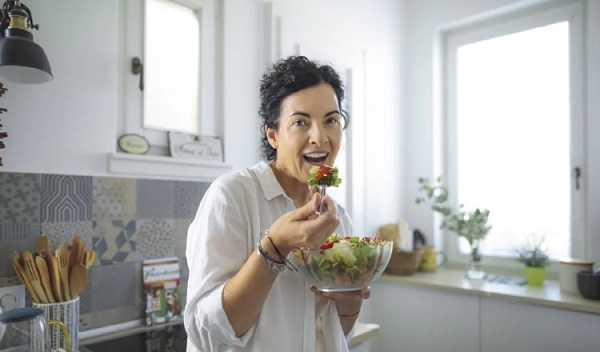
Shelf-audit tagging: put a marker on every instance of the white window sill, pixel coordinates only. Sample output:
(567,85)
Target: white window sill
(164,167)
(454,280)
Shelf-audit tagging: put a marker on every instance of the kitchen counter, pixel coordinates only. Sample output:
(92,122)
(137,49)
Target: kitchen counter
(455,280)
(171,337)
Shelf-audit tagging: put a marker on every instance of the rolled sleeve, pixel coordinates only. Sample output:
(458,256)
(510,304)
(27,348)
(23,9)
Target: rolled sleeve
(216,249)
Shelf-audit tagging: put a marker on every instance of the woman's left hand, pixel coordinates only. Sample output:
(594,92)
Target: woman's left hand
(348,302)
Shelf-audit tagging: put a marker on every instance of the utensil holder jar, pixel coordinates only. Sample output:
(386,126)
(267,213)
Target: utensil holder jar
(67,313)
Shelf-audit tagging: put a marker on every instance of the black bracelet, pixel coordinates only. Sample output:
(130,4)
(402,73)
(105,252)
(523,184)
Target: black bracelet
(274,265)
(283,259)
(268,234)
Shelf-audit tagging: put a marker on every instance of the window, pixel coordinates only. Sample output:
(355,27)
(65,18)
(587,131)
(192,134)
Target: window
(514,128)
(198,19)
(172,63)
(175,41)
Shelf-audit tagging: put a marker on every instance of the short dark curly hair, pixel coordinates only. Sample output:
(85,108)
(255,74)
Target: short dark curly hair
(288,76)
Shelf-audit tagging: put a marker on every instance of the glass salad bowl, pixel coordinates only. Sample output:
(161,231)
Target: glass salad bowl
(342,263)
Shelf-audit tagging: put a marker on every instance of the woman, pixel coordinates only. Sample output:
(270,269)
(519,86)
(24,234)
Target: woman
(240,295)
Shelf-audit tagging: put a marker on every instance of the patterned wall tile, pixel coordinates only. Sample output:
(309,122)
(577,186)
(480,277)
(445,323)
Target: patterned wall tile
(19,198)
(155,238)
(187,197)
(155,199)
(66,198)
(114,197)
(113,241)
(124,220)
(15,237)
(65,232)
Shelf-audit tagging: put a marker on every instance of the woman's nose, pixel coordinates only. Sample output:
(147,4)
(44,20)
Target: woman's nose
(318,135)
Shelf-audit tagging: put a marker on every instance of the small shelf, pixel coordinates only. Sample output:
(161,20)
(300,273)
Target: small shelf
(164,167)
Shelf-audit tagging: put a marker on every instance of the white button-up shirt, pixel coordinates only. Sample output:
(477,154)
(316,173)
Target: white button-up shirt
(233,213)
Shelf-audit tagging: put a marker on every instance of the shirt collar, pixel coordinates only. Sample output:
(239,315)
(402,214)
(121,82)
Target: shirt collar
(268,182)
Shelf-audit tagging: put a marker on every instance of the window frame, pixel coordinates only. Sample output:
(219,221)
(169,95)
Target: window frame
(491,25)
(157,164)
(133,46)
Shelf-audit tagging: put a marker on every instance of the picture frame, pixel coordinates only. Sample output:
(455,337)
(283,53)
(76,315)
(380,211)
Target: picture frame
(184,145)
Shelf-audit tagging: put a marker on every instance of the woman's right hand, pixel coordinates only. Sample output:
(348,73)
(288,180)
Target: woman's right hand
(303,227)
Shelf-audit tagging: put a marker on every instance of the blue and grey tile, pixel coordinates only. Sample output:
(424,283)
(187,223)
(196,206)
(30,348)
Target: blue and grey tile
(114,197)
(66,198)
(155,199)
(154,238)
(187,198)
(20,198)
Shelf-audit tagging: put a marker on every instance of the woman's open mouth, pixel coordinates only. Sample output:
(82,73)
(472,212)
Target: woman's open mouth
(316,158)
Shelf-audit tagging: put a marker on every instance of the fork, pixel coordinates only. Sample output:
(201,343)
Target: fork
(34,277)
(62,254)
(322,190)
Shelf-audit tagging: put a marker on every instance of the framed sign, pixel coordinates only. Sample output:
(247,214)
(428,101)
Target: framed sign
(183,145)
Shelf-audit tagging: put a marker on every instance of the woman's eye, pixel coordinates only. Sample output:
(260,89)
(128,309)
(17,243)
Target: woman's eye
(333,120)
(299,123)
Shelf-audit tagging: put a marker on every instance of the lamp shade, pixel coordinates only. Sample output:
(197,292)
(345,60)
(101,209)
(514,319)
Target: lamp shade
(21,59)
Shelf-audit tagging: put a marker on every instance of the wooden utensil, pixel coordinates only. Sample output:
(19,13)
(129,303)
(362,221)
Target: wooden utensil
(54,271)
(33,276)
(89,258)
(20,269)
(42,268)
(42,245)
(76,253)
(62,254)
(78,280)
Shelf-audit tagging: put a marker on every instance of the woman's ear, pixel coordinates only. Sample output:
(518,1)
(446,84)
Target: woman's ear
(271,137)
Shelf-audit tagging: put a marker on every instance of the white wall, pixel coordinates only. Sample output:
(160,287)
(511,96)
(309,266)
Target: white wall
(67,126)
(366,36)
(426,17)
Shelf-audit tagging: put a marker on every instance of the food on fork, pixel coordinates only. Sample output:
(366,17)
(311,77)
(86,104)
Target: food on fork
(324,175)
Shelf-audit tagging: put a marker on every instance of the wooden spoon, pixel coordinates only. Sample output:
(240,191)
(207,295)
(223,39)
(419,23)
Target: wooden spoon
(54,270)
(76,253)
(78,280)
(42,268)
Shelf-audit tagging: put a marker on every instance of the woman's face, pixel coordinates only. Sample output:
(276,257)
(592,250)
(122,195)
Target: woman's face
(310,131)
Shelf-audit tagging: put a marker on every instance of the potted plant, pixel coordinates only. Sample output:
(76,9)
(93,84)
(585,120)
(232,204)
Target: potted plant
(471,225)
(535,259)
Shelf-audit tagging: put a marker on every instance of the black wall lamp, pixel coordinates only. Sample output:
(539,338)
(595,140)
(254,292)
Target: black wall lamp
(21,59)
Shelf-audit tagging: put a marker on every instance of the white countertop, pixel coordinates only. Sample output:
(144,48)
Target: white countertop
(362,332)
(455,280)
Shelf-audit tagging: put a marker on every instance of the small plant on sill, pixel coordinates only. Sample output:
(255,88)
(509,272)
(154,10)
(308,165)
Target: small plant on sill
(534,255)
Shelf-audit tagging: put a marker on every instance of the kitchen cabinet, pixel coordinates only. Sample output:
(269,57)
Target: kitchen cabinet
(515,326)
(423,320)
(433,318)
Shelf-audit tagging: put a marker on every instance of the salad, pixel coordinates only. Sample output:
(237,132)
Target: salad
(324,175)
(342,263)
